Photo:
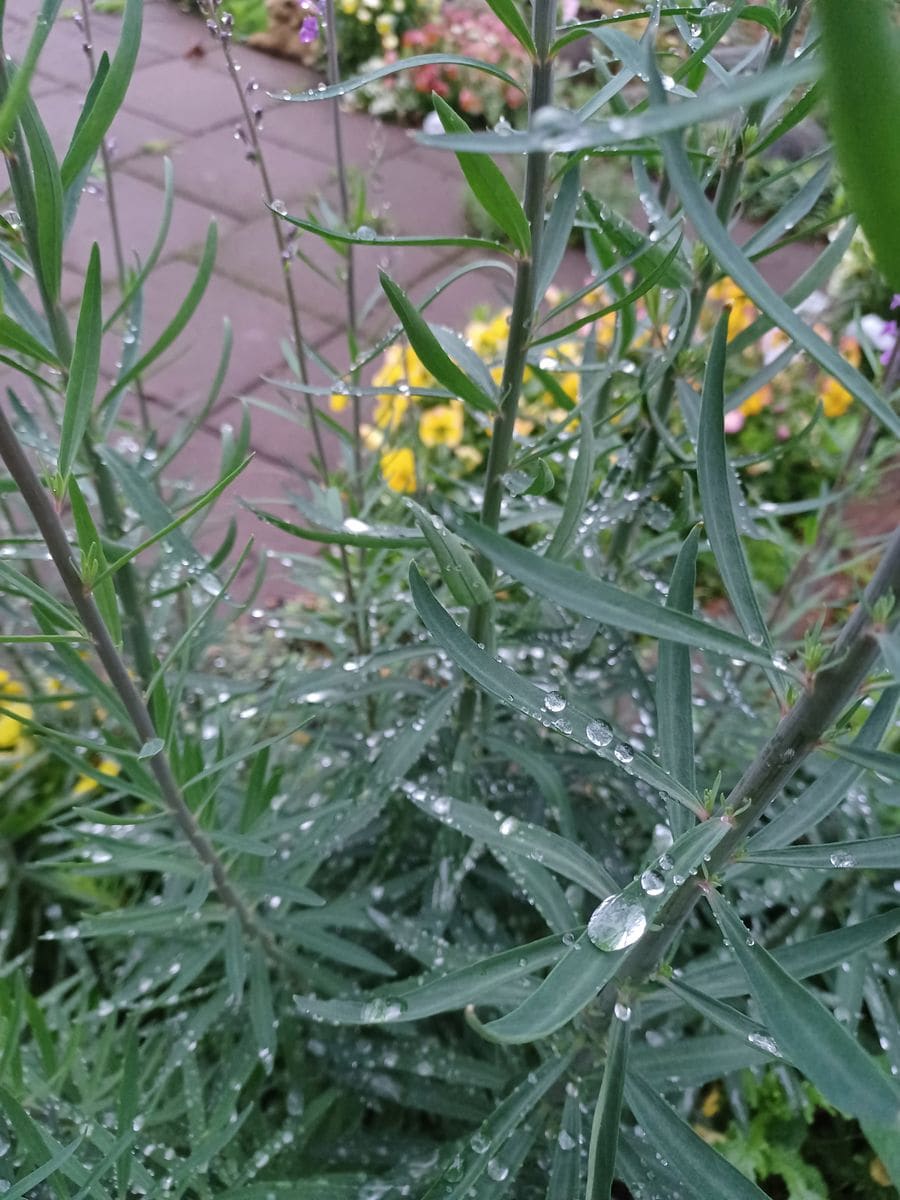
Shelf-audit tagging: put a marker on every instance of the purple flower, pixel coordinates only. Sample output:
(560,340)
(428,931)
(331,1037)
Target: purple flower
(895,303)
(309,30)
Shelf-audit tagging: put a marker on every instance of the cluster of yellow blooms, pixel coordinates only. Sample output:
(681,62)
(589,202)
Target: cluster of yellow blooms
(16,744)
(406,408)
(14,741)
(835,398)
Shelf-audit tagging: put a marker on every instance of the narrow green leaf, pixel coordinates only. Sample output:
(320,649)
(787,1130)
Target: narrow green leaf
(473,1161)
(489,185)
(594,598)
(523,838)
(558,229)
(699,1164)
(703,217)
(442,991)
(525,696)
(178,322)
(370,238)
(26,1186)
(507,11)
(674,699)
(262,1011)
(370,537)
(716,496)
(85,369)
(565,1171)
(601,1169)
(48,200)
(159,535)
(723,1016)
(458,571)
(879,761)
(403,751)
(93,125)
(14,337)
(338,90)
(17,92)
(580,479)
(823,797)
(129,1100)
(429,350)
(817,1044)
(636,245)
(861,49)
(881,853)
(93,562)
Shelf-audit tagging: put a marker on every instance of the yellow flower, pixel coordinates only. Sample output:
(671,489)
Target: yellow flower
(54,686)
(469,457)
(488,338)
(390,410)
(85,784)
(11,728)
(754,404)
(442,425)
(712,1102)
(349,7)
(372,439)
(385,23)
(606,330)
(338,401)
(742,316)
(398,468)
(835,398)
(726,291)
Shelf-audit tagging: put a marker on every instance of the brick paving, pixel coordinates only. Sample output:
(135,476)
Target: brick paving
(182,104)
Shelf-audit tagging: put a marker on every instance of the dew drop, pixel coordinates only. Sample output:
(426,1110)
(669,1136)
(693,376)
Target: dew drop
(617,923)
(598,733)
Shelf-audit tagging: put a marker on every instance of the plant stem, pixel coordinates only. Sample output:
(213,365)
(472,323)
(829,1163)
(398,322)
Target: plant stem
(222,34)
(42,510)
(521,322)
(333,75)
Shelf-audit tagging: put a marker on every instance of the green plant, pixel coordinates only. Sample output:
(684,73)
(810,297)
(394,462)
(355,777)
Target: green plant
(372,904)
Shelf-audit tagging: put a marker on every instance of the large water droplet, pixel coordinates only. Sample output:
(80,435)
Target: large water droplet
(616,924)
(652,884)
(554,702)
(598,733)
(841,858)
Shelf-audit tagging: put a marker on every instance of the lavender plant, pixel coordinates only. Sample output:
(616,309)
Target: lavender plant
(495,902)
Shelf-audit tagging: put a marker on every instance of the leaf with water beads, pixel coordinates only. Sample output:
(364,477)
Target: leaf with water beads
(601,601)
(818,1045)
(565,1171)
(364,236)
(525,696)
(881,853)
(473,1157)
(701,1167)
(716,496)
(616,925)
(439,991)
(336,90)
(520,837)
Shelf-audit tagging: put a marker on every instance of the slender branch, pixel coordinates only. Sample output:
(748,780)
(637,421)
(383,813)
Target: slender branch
(220,28)
(798,734)
(521,323)
(333,75)
(42,510)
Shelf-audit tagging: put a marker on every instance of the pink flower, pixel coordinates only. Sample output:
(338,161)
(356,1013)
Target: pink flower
(734,421)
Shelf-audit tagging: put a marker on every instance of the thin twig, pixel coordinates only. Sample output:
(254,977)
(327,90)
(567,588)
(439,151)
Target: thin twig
(45,516)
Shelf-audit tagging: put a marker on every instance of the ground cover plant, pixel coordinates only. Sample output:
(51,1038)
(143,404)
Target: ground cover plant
(505,860)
